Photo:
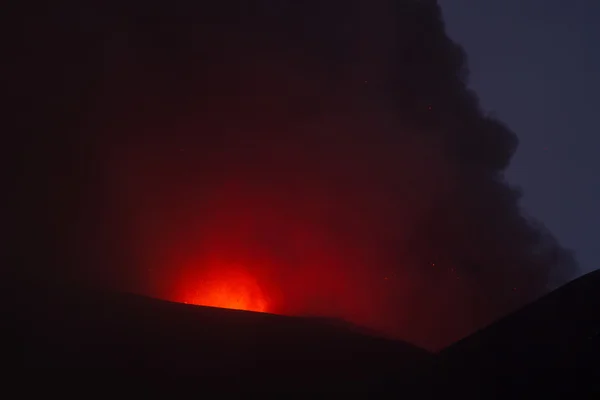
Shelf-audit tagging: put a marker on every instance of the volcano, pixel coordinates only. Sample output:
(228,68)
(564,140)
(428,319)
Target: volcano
(68,326)
(307,176)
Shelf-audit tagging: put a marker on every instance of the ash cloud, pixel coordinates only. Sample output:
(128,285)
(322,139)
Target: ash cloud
(332,147)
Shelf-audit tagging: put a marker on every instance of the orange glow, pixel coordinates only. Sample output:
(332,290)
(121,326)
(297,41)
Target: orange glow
(226,287)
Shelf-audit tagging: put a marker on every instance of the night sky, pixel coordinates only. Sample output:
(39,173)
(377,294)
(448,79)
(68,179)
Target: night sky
(535,64)
(302,158)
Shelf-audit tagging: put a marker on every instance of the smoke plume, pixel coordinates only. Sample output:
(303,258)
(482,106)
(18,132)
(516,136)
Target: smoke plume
(326,156)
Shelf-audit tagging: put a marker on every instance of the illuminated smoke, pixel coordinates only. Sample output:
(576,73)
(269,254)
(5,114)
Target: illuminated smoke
(322,158)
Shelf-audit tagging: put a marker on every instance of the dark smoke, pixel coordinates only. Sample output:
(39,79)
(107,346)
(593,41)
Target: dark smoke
(332,145)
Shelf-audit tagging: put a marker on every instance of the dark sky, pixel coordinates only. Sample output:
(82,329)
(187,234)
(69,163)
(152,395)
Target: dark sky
(535,63)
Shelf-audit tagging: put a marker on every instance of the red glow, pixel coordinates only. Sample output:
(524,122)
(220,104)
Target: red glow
(226,286)
(247,238)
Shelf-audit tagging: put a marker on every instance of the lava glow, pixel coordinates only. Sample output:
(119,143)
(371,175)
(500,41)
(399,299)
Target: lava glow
(226,287)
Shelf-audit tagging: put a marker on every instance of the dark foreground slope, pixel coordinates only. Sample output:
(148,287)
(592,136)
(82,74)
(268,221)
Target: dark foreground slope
(550,337)
(65,327)
(72,328)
